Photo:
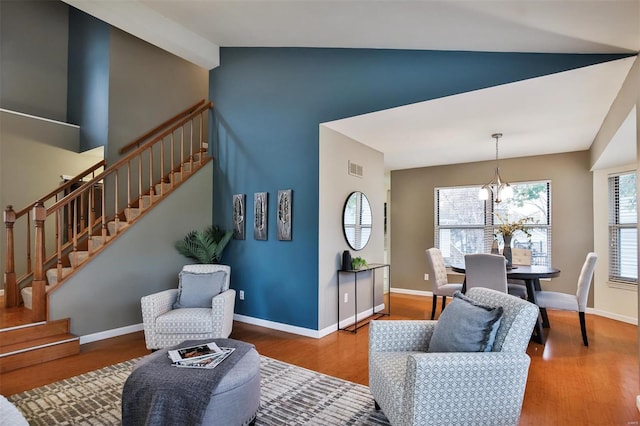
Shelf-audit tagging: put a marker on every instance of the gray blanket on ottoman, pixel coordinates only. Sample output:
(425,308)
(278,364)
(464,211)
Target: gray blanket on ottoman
(156,393)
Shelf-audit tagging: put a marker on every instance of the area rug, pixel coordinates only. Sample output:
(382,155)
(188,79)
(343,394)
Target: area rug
(290,395)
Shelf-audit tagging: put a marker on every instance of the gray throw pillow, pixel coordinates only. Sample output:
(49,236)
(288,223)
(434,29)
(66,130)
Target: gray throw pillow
(197,290)
(465,326)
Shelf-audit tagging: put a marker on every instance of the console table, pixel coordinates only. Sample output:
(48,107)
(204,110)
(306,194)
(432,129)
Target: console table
(353,328)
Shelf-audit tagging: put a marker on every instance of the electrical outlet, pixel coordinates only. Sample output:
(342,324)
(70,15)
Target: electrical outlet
(426,277)
(346,297)
(241,294)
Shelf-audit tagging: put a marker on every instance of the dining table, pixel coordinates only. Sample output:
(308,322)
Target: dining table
(531,275)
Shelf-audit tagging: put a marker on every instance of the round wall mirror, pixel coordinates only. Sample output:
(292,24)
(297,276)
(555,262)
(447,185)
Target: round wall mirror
(356,220)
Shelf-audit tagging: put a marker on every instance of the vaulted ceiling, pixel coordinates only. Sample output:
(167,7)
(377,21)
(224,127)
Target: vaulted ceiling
(556,113)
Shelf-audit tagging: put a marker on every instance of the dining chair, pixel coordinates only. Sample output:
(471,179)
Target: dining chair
(438,273)
(570,302)
(520,257)
(490,271)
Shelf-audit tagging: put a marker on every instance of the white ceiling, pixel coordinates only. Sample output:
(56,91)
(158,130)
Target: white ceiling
(557,113)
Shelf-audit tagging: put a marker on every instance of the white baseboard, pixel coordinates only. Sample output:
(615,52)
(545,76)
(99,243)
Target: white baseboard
(362,315)
(613,316)
(307,332)
(110,333)
(317,334)
(278,326)
(411,292)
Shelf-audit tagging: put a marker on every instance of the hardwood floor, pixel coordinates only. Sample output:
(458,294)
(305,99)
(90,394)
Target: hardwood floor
(568,384)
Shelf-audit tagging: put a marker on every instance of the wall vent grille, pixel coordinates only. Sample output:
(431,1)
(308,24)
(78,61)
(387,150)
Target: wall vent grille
(355,169)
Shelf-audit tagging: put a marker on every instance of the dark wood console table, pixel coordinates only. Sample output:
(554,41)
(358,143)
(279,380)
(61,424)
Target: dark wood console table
(353,328)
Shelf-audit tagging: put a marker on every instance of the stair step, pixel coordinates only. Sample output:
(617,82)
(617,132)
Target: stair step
(77,257)
(159,188)
(145,200)
(115,228)
(52,274)
(175,177)
(37,330)
(27,292)
(131,213)
(37,351)
(96,241)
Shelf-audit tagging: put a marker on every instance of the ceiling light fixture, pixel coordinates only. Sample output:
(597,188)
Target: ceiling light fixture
(496,188)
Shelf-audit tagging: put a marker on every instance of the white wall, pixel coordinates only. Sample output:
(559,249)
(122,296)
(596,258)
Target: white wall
(335,185)
(611,300)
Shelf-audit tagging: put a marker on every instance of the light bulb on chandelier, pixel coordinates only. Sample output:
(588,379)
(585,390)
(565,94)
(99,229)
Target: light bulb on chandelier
(496,187)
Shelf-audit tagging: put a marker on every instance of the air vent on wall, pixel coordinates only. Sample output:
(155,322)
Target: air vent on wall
(355,169)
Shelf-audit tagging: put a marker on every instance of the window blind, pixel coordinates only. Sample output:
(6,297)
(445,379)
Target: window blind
(465,224)
(623,228)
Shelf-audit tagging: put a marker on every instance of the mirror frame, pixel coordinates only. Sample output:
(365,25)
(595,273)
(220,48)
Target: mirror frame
(344,227)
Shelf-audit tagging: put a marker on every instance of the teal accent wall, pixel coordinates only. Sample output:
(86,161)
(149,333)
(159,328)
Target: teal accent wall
(269,103)
(88,81)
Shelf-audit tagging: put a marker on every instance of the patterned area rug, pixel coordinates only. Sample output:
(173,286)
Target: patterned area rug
(290,395)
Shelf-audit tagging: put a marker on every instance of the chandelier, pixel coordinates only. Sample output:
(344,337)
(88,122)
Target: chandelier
(496,187)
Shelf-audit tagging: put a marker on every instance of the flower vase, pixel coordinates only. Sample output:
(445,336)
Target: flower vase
(506,252)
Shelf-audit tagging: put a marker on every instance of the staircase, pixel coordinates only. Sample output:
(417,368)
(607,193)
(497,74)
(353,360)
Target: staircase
(86,220)
(31,344)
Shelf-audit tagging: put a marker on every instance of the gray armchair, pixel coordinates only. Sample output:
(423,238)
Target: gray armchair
(413,387)
(166,326)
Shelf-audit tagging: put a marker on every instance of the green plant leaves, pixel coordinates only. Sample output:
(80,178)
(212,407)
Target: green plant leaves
(204,246)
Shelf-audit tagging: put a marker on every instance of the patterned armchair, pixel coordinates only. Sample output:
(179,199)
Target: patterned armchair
(165,326)
(413,387)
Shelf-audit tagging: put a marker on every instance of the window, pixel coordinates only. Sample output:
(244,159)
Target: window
(623,228)
(464,224)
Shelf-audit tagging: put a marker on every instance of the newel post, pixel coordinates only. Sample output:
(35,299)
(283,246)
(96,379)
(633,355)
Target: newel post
(39,308)
(10,286)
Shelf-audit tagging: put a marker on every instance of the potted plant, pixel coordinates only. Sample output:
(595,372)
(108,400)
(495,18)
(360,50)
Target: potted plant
(204,246)
(358,263)
(507,229)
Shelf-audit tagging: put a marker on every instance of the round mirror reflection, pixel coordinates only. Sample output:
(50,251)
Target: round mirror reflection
(357,220)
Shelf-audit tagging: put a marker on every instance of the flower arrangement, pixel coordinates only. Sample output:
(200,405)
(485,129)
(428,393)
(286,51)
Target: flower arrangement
(507,228)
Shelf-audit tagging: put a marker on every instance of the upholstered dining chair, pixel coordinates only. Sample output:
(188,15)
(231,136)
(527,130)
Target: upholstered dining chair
(490,271)
(438,273)
(570,302)
(519,257)
(416,386)
(200,308)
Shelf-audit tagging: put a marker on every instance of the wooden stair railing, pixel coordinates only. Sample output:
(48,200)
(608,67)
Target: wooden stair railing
(94,213)
(24,220)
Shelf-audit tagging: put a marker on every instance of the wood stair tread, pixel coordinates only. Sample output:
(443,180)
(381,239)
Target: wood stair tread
(27,332)
(40,343)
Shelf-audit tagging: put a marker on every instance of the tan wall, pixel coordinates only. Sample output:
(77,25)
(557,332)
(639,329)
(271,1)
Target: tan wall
(147,85)
(335,185)
(412,212)
(34,153)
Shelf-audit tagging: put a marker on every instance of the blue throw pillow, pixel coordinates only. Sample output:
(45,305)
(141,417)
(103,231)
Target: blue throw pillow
(197,290)
(465,326)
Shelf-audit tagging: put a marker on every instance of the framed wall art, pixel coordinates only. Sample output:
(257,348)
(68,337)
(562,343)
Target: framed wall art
(239,214)
(285,210)
(260,215)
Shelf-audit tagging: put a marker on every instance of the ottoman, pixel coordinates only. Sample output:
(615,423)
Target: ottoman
(234,401)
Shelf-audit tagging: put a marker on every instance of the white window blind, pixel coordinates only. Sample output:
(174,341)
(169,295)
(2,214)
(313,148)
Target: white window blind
(358,219)
(464,224)
(623,228)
